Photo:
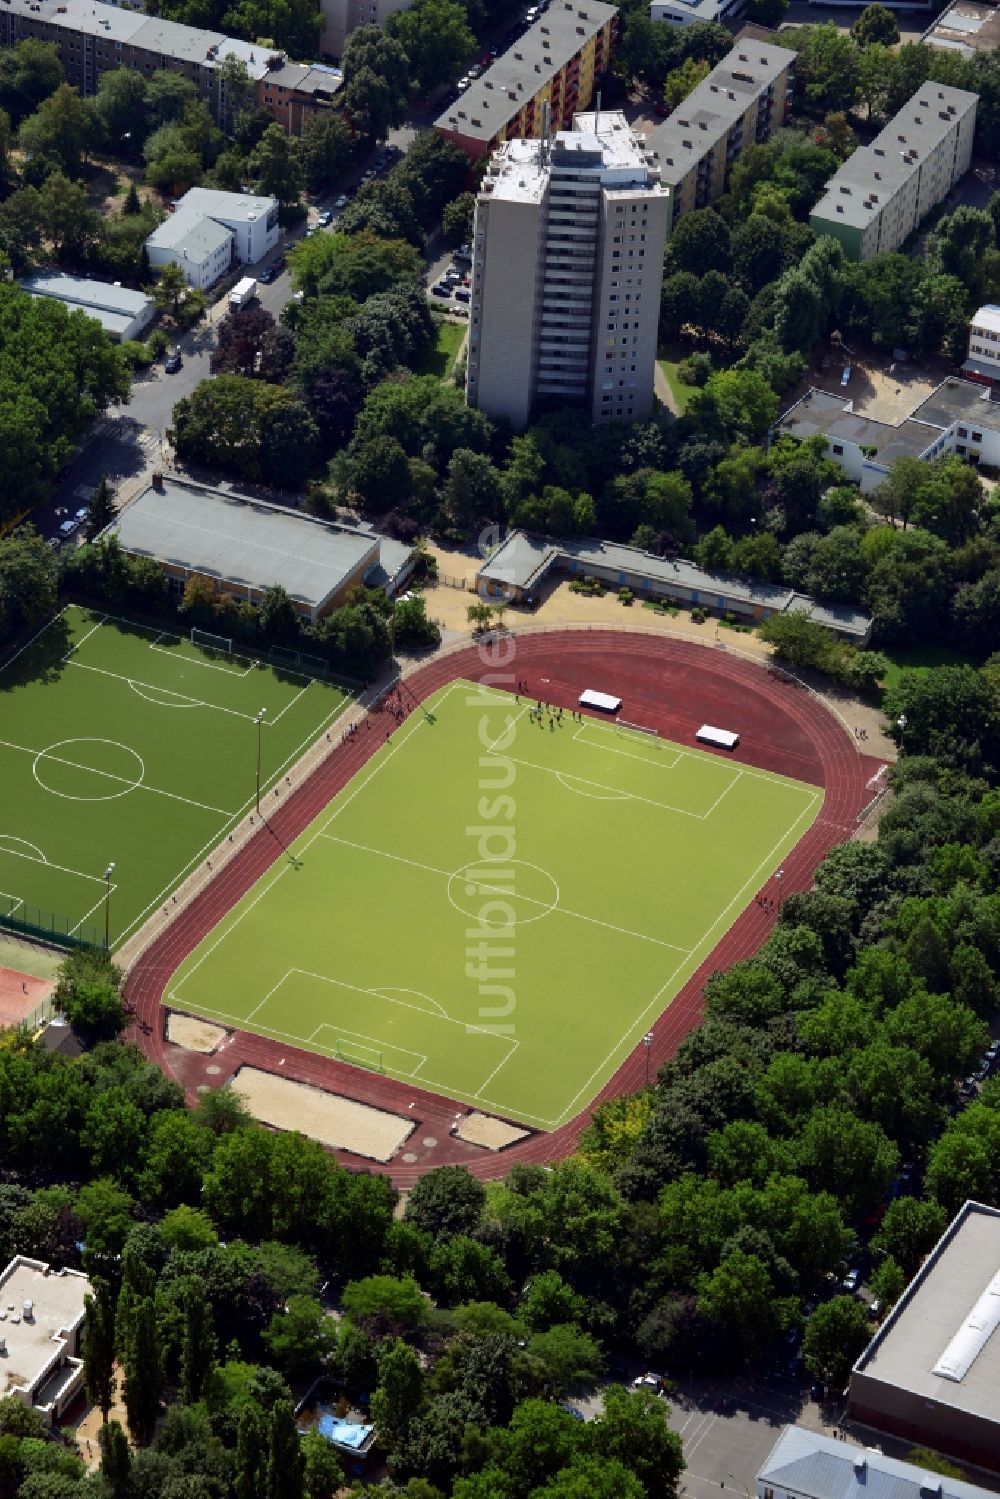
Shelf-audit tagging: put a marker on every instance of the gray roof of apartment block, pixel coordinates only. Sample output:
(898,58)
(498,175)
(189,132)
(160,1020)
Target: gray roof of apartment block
(873,173)
(711,109)
(485,108)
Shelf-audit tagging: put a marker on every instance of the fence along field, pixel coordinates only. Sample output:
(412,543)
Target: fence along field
(128,745)
(633,857)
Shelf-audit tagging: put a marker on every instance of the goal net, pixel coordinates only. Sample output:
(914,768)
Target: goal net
(359,1055)
(297,661)
(220,645)
(626,730)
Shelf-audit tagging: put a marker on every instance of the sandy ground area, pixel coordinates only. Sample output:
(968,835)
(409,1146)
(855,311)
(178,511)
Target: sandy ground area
(335,1121)
(194,1035)
(483,1129)
(90,1423)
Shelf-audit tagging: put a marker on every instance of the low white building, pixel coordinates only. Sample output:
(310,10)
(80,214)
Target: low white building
(811,1465)
(983,363)
(958,417)
(253,220)
(121,313)
(685,12)
(201,246)
(41,1324)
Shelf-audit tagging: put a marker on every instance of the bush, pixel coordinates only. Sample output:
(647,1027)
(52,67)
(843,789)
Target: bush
(625,596)
(694,370)
(158,342)
(699,615)
(137,354)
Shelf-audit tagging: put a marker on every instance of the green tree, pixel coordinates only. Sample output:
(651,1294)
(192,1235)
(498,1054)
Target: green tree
(435,36)
(65,217)
(700,242)
(876,24)
(323,1474)
(445,1202)
(383,1301)
(116,1460)
(827,66)
(739,1298)
(99,1345)
(30,72)
(249,1479)
(399,1393)
(285,1465)
(143,1365)
(88,993)
(799,640)
(300,1337)
(100,509)
(171,288)
(198,1346)
(376,80)
(458,218)
(275,165)
(324,150)
(471,492)
(835,1334)
(632,1429)
(28,580)
(188,1228)
(60,131)
(680,81)
(119,106)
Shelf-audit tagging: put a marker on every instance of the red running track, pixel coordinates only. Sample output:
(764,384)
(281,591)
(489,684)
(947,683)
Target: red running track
(666,684)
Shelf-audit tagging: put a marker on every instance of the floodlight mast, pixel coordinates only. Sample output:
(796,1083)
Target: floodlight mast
(258,721)
(107,904)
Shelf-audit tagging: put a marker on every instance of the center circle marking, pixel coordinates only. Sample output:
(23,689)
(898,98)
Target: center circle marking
(52,752)
(464,891)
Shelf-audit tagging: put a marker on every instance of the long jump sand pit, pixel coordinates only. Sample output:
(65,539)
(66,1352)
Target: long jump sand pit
(329,1118)
(194,1035)
(485,1130)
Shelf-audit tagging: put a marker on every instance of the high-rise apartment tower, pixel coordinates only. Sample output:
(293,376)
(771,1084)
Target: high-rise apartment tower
(567,266)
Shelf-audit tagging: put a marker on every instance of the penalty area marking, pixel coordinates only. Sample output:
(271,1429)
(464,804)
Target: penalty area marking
(15,902)
(6,838)
(565,780)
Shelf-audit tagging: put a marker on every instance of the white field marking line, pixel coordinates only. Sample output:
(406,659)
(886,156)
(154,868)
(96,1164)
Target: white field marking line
(293,756)
(484,888)
(632,796)
(87,915)
(387,990)
(12,838)
(130,624)
(269,879)
(564,779)
(186,697)
(193,660)
(18,902)
(32,638)
(324,978)
(680,753)
(81,643)
(660,762)
(269,723)
(697,951)
(485,1084)
(377,1045)
(158,702)
(109,775)
(508,730)
(723,794)
(59,868)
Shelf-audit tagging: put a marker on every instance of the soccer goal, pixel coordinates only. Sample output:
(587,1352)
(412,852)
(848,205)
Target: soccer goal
(10,905)
(222,645)
(626,730)
(359,1055)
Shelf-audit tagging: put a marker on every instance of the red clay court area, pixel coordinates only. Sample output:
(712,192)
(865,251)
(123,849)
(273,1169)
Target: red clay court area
(665,684)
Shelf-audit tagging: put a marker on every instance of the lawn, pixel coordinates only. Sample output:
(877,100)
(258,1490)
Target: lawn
(439,358)
(922,658)
(127,744)
(682,393)
(497,909)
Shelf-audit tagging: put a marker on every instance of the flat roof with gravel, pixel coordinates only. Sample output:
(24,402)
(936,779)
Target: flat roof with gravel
(36,1343)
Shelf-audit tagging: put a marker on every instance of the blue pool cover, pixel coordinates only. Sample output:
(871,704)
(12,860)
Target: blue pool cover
(345,1433)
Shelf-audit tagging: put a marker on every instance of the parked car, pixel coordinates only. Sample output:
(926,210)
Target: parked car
(571,1410)
(83,512)
(173,363)
(875,1309)
(341,201)
(463,294)
(441,289)
(654,1382)
(325,217)
(850,1281)
(268,274)
(67,527)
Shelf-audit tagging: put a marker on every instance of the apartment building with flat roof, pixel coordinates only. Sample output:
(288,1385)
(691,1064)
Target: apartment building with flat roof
(686,12)
(41,1324)
(93,38)
(738,105)
(340,17)
(966,27)
(566,272)
(983,363)
(549,72)
(882,192)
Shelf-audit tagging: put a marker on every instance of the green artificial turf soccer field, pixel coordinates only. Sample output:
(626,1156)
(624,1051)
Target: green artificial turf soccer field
(628,859)
(126,744)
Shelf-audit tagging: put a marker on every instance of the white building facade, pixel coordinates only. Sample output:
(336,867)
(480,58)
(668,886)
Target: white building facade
(41,1327)
(983,363)
(201,247)
(567,265)
(252,220)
